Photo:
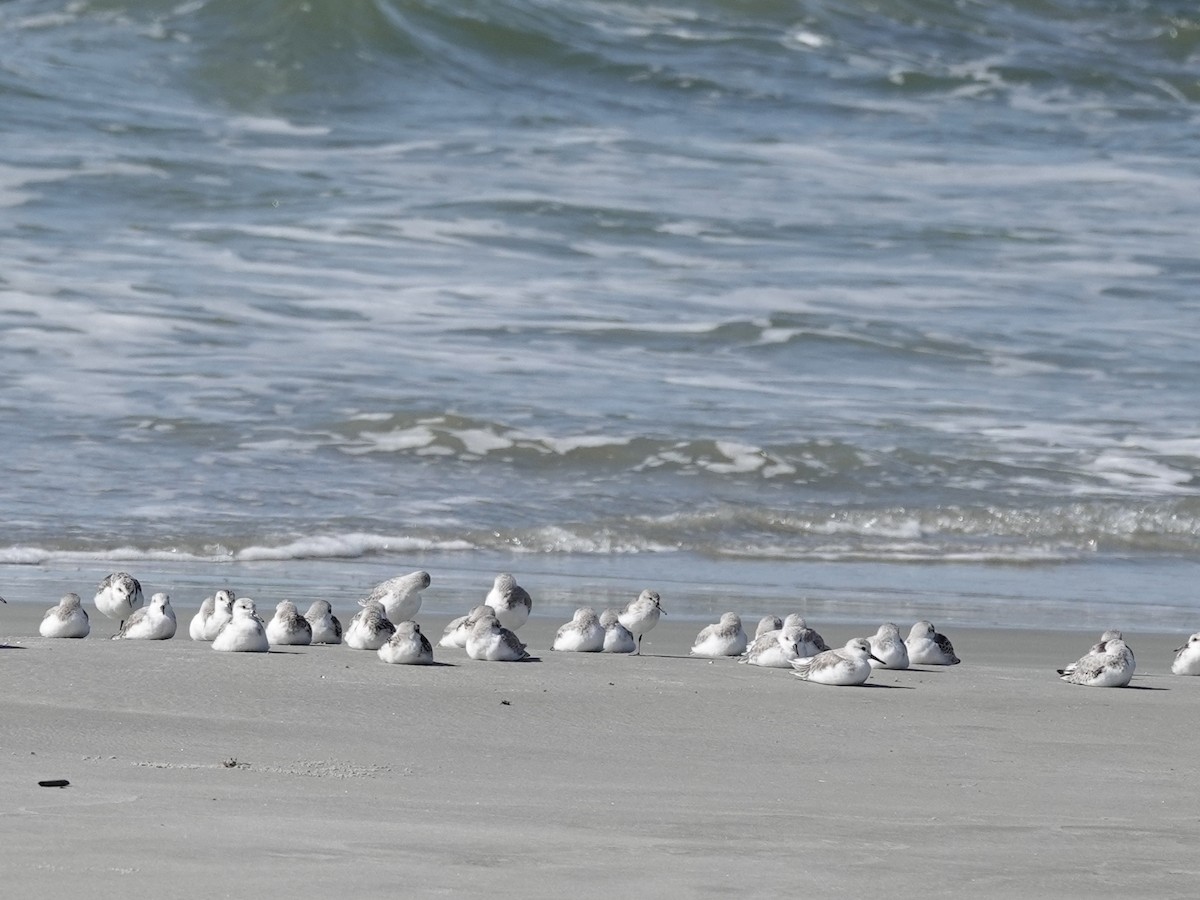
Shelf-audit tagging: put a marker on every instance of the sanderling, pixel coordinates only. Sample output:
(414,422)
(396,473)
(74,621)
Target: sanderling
(153,622)
(510,601)
(66,620)
(617,638)
(119,594)
(223,601)
(583,634)
(1112,666)
(888,650)
(767,623)
(847,666)
(928,648)
(808,641)
(370,628)
(1187,657)
(491,641)
(640,615)
(200,620)
(725,638)
(326,629)
(244,632)
(457,632)
(773,649)
(407,647)
(1097,649)
(288,627)
(400,596)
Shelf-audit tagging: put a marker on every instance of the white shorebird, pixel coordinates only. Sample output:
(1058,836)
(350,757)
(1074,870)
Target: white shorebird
(199,621)
(244,632)
(153,622)
(640,615)
(928,648)
(510,601)
(223,601)
(287,627)
(767,623)
(850,665)
(1112,666)
(1097,649)
(887,647)
(400,596)
(583,634)
(370,628)
(617,638)
(489,640)
(773,649)
(407,647)
(1187,657)
(326,629)
(119,594)
(457,632)
(808,641)
(66,620)
(725,638)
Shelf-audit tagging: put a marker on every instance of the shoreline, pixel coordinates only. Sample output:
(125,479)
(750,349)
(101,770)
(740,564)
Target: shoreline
(318,769)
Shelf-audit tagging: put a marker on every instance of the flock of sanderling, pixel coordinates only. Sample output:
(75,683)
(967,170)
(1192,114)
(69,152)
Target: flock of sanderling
(385,623)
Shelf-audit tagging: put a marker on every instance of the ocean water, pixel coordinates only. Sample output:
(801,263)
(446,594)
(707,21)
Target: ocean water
(875,308)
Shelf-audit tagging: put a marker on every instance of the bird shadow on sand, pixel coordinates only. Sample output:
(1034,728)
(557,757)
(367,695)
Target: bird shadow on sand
(892,687)
(12,647)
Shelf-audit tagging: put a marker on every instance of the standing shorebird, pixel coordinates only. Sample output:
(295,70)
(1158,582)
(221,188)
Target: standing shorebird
(641,615)
(399,596)
(509,601)
(119,594)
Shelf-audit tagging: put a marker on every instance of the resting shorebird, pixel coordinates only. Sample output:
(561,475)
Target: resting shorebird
(407,647)
(244,632)
(510,601)
(928,648)
(583,634)
(850,665)
(288,627)
(725,638)
(1112,666)
(66,620)
(155,622)
(326,629)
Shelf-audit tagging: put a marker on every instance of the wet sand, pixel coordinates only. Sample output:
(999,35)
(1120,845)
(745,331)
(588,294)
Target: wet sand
(309,772)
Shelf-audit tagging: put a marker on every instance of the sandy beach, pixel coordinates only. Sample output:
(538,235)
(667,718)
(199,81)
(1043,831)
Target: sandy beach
(314,771)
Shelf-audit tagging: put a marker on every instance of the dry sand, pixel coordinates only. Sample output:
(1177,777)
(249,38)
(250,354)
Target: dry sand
(321,771)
